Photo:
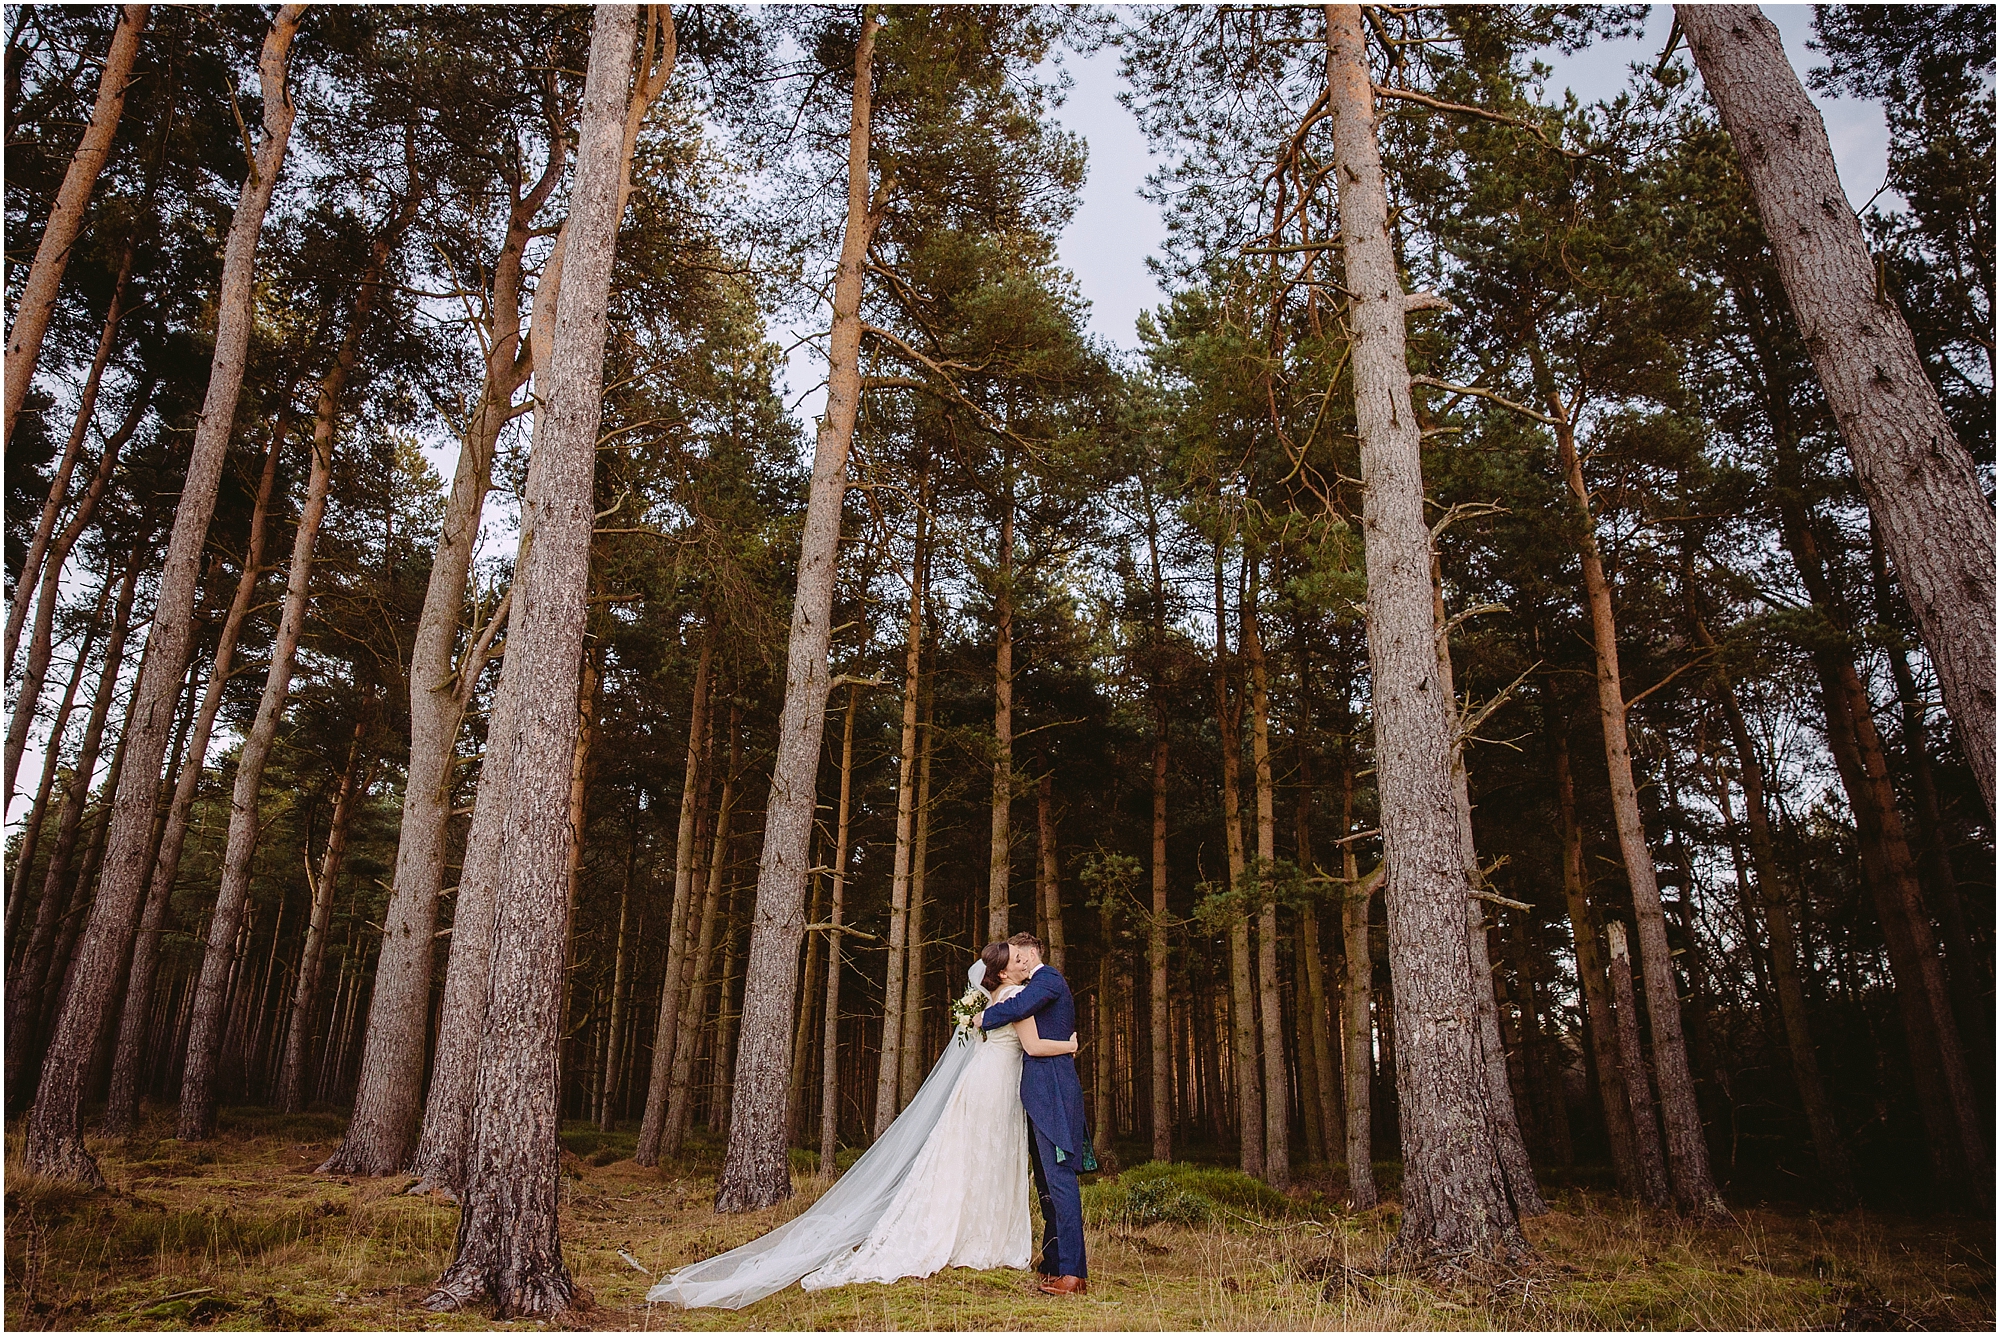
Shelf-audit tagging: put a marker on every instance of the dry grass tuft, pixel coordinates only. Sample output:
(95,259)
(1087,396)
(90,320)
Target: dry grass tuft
(240,1234)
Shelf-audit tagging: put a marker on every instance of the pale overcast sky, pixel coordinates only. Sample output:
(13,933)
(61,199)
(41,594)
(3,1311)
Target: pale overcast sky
(1115,230)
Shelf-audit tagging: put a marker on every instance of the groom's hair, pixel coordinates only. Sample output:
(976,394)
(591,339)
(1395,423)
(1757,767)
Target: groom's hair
(1026,940)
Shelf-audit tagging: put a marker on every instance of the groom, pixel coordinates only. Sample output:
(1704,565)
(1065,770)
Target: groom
(1054,1100)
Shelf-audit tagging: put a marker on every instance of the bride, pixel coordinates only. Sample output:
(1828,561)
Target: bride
(946,1185)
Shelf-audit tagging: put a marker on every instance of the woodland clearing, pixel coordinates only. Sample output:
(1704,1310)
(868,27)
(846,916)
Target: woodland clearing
(240,1234)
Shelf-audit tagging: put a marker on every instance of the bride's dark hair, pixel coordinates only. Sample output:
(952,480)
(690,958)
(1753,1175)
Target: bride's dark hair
(995,958)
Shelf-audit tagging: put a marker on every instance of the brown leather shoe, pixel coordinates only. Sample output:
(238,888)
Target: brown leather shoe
(1065,1285)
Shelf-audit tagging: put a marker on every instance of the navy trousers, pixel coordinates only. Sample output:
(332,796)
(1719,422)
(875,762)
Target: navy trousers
(1062,1208)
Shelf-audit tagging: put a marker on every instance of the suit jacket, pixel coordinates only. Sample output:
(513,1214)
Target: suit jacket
(1050,1090)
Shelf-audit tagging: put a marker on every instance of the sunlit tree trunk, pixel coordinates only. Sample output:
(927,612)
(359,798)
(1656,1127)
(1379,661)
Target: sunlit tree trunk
(1048,883)
(1357,1003)
(53,1145)
(915,1051)
(754,1173)
(1653,1185)
(1000,849)
(704,956)
(37,302)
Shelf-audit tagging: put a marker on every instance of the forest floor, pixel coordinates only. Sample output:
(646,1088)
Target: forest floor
(241,1234)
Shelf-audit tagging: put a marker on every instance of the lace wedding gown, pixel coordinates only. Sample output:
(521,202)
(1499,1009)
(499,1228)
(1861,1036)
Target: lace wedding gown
(946,1185)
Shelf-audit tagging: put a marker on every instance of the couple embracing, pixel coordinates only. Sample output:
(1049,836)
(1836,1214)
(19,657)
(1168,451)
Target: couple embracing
(947,1184)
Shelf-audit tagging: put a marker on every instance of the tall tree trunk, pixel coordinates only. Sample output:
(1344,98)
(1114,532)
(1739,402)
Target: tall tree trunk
(1242,986)
(1048,883)
(889,1069)
(1599,1025)
(607,1114)
(1955,1131)
(1156,951)
(66,217)
(666,1037)
(1775,912)
(86,411)
(121,1110)
(1277,1101)
(829,1098)
(1654,1187)
(1686,1145)
(31,837)
(54,1144)
(1921,485)
(915,1050)
(198,1094)
(508,1247)
(27,982)
(1000,850)
(754,1173)
(1357,1002)
(808,1011)
(353,788)
(386,1103)
(1455,1190)
(41,644)
(1322,1072)
(704,956)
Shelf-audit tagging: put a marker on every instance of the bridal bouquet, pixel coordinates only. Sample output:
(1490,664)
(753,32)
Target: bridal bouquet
(966,1010)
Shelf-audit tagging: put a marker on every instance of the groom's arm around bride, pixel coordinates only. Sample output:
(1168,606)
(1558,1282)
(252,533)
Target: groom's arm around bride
(1053,1098)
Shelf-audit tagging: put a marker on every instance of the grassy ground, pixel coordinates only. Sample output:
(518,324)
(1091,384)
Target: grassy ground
(240,1233)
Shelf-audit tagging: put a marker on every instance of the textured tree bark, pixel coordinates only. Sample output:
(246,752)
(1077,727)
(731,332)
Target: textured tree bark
(1000,850)
(1921,486)
(1242,986)
(808,1012)
(829,1091)
(41,645)
(121,1109)
(508,1247)
(1686,1144)
(704,956)
(86,410)
(1595,983)
(666,1036)
(196,1120)
(386,1103)
(1277,1099)
(915,1051)
(31,836)
(53,1145)
(889,1069)
(25,984)
(1049,881)
(1322,1077)
(353,788)
(1654,1188)
(1357,1003)
(1456,1199)
(754,1172)
(38,297)
(1506,1122)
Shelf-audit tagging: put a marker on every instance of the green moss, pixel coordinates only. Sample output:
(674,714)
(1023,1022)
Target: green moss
(1182,1194)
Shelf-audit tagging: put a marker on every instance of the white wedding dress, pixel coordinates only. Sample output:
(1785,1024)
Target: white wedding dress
(947,1185)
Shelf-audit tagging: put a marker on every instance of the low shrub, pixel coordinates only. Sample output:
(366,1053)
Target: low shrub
(1180,1194)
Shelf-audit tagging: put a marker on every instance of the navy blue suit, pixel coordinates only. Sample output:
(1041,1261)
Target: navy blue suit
(1053,1098)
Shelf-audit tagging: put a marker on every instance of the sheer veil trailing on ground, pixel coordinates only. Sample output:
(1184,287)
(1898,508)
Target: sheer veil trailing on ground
(840,1220)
